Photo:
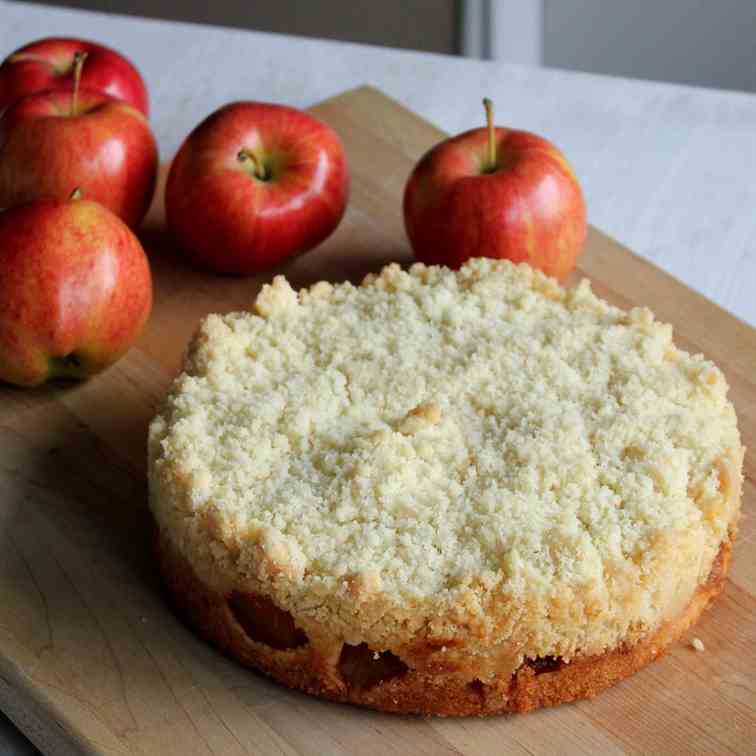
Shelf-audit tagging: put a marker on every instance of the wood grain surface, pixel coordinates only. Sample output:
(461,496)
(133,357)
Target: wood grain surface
(92,660)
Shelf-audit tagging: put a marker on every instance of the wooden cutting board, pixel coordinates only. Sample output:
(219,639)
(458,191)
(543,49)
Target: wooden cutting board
(92,661)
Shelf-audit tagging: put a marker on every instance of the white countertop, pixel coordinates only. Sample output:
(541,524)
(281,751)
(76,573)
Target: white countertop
(667,170)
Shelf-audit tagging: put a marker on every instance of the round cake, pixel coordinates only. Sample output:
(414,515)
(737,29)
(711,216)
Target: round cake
(446,492)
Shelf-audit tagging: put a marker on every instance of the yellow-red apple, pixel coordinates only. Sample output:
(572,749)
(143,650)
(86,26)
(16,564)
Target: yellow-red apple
(75,290)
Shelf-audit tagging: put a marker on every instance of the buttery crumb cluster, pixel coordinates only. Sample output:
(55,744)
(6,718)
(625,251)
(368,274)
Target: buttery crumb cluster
(477,455)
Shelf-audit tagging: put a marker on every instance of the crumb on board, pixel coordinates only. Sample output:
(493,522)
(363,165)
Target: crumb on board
(697,644)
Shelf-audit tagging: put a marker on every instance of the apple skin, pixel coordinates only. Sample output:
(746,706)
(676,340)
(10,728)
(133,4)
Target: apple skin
(229,220)
(529,209)
(75,290)
(107,149)
(52,65)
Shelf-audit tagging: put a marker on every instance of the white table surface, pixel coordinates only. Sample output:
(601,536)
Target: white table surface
(667,170)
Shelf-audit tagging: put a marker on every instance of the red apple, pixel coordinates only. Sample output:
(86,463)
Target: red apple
(51,142)
(49,64)
(495,192)
(255,183)
(75,290)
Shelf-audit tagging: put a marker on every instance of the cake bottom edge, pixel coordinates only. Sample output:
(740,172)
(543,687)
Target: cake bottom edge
(361,676)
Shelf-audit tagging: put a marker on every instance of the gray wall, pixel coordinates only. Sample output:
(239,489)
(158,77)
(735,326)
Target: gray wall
(706,42)
(429,25)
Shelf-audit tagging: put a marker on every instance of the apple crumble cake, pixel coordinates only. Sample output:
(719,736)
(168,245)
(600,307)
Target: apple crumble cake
(444,492)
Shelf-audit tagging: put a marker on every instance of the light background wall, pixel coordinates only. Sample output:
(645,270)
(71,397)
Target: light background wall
(704,42)
(429,25)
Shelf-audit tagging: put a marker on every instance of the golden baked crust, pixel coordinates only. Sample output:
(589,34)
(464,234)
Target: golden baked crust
(457,471)
(357,677)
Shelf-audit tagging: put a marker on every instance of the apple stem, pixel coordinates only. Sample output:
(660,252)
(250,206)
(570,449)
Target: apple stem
(488,105)
(79,58)
(258,169)
(75,194)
